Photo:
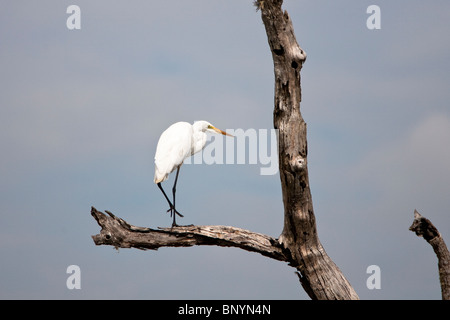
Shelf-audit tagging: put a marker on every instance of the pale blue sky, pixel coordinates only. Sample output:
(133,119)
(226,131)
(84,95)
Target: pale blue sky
(81,112)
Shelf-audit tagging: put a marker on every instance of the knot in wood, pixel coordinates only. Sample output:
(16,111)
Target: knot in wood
(297,54)
(107,237)
(297,163)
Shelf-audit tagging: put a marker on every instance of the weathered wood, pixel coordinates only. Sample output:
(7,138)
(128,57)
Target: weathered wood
(120,234)
(424,228)
(318,274)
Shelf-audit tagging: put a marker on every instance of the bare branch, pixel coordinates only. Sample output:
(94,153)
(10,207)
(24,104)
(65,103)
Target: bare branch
(424,228)
(120,234)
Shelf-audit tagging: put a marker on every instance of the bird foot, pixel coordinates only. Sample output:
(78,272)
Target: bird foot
(172,209)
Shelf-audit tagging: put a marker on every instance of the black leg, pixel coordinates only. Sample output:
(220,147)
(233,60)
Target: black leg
(170,203)
(174,190)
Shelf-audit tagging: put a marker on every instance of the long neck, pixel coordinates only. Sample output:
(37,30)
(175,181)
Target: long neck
(199,141)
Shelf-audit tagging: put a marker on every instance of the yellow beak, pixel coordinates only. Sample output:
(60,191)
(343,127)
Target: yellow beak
(221,132)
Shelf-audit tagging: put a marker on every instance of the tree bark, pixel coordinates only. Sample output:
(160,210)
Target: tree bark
(424,228)
(318,274)
(120,234)
(298,243)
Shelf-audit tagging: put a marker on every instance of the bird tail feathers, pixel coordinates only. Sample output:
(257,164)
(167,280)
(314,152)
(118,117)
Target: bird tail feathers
(160,177)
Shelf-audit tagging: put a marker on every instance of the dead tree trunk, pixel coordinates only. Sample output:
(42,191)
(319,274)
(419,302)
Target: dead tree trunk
(424,228)
(318,274)
(298,244)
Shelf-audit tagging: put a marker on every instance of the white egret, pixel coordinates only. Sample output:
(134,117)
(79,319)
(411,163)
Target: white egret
(179,141)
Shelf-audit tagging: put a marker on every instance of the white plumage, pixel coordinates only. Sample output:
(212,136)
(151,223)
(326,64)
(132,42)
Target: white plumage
(174,145)
(179,141)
